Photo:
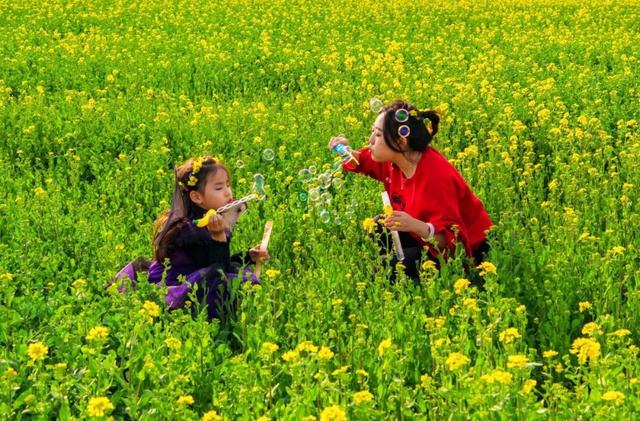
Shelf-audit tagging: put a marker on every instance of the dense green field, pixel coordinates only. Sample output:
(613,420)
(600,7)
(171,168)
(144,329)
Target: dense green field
(539,104)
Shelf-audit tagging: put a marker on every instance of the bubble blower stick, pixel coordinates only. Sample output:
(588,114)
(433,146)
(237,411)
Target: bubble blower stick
(345,152)
(258,193)
(263,246)
(394,234)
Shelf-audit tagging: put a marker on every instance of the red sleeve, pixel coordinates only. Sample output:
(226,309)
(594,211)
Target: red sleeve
(367,166)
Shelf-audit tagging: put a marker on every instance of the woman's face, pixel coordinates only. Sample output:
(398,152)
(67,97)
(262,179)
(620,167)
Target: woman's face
(380,151)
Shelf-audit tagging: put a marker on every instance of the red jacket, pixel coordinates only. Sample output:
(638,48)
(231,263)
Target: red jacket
(436,193)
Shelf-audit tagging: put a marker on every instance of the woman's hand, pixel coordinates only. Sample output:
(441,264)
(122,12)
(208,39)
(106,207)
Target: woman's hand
(340,140)
(217,227)
(402,221)
(258,254)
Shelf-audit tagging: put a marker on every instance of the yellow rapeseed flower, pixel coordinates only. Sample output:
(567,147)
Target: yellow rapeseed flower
(471,304)
(528,386)
(173,343)
(272,273)
(460,284)
(621,333)
(517,361)
(591,329)
(98,332)
(426,380)
(498,376)
(585,348)
(362,397)
(185,400)
(369,225)
(150,309)
(307,346)
(37,351)
(612,395)
(333,413)
(291,356)
(211,416)
(509,335)
(549,354)
(384,345)
(584,306)
(325,353)
(268,348)
(487,268)
(456,360)
(98,406)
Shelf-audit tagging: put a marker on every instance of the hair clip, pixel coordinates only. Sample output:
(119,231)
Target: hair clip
(402,115)
(404,131)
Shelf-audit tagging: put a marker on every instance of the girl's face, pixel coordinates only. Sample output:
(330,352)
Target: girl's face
(380,151)
(215,193)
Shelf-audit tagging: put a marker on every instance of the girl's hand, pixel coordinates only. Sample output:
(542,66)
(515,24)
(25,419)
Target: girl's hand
(402,221)
(258,255)
(339,140)
(217,227)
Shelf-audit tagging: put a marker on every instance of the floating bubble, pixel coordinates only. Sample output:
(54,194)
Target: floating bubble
(312,169)
(324,216)
(268,154)
(239,163)
(305,175)
(326,198)
(375,105)
(338,183)
(303,196)
(258,184)
(337,220)
(324,179)
(314,194)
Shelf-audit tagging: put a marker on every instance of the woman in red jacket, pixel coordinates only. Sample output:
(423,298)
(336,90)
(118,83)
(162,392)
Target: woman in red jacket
(430,199)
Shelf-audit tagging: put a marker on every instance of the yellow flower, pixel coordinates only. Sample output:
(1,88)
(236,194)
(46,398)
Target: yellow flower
(590,329)
(39,191)
(6,276)
(369,225)
(264,418)
(291,356)
(37,351)
(456,360)
(428,265)
(333,413)
(585,348)
(509,335)
(425,380)
(272,273)
(517,361)
(612,395)
(341,370)
(211,416)
(150,309)
(621,333)
(362,373)
(268,348)
(487,268)
(528,386)
(98,406)
(471,304)
(98,332)
(584,306)
(549,354)
(173,343)
(497,376)
(362,397)
(185,400)
(384,345)
(387,210)
(307,346)
(460,284)
(521,309)
(325,353)
(10,373)
(204,221)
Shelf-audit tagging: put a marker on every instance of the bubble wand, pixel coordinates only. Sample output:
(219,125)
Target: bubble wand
(258,193)
(266,236)
(394,234)
(344,151)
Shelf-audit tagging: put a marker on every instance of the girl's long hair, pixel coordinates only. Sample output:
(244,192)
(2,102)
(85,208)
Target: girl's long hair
(183,209)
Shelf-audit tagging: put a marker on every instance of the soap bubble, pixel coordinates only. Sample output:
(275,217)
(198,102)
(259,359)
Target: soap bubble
(305,175)
(338,182)
(325,180)
(375,105)
(324,216)
(268,154)
(258,184)
(326,198)
(303,196)
(314,194)
(312,169)
(239,163)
